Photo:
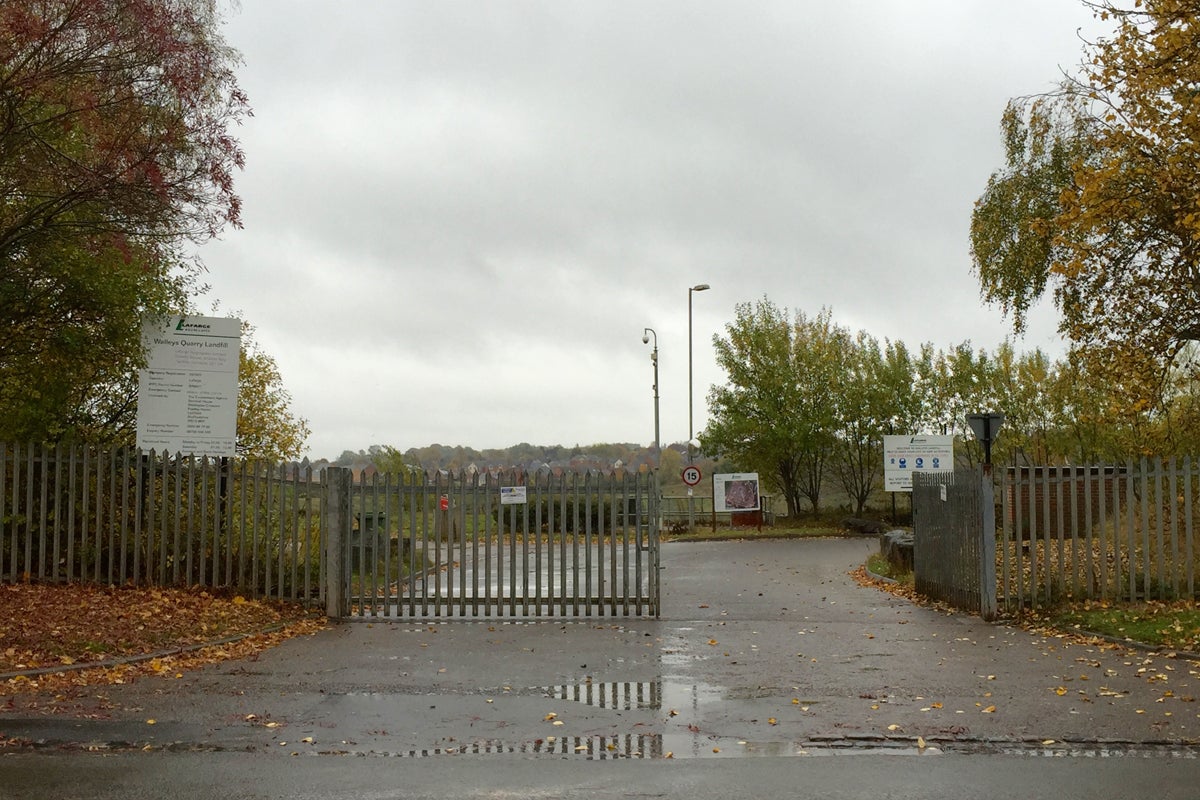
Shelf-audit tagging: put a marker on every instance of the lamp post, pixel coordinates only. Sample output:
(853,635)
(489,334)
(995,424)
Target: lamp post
(646,334)
(700,287)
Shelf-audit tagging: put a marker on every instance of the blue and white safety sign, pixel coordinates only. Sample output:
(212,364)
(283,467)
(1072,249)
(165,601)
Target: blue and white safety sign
(902,455)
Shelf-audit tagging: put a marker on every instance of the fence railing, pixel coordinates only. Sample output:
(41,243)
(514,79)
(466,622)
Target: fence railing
(1117,532)
(128,517)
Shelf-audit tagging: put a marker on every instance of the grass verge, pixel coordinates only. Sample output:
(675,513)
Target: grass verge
(1167,626)
(879,565)
(1174,626)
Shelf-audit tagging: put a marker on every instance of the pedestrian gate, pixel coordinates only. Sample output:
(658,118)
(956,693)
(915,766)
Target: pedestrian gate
(495,545)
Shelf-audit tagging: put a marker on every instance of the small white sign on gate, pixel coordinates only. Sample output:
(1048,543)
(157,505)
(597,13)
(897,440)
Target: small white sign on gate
(512,495)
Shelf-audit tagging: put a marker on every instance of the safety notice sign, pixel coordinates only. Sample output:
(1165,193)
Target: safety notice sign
(903,455)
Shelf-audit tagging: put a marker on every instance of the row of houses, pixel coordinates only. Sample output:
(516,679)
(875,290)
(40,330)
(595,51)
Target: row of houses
(577,465)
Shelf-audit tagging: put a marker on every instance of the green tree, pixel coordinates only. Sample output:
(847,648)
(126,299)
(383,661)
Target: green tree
(1015,238)
(865,406)
(115,153)
(955,383)
(1181,420)
(1022,384)
(898,381)
(392,461)
(777,413)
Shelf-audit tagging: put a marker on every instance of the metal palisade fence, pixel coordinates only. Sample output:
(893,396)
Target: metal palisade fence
(1111,532)
(500,544)
(954,545)
(415,545)
(127,517)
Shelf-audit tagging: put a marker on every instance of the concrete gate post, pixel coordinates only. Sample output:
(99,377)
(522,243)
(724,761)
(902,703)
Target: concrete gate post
(987,549)
(335,512)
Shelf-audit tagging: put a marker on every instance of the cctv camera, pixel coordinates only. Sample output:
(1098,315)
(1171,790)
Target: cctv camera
(645,338)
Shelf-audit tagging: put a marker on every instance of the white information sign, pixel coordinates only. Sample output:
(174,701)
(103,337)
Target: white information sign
(512,495)
(736,491)
(187,395)
(902,455)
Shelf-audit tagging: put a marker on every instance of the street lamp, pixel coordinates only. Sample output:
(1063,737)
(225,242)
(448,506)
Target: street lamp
(699,287)
(646,334)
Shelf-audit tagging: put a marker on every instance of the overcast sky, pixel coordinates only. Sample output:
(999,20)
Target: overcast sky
(460,216)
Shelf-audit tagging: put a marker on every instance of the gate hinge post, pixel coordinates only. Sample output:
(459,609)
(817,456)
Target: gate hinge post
(987,550)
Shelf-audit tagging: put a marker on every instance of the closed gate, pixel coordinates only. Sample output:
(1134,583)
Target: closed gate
(498,545)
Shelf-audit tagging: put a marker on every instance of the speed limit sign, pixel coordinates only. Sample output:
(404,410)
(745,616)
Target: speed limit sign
(691,475)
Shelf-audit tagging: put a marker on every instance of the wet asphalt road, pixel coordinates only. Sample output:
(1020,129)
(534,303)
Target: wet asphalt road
(764,649)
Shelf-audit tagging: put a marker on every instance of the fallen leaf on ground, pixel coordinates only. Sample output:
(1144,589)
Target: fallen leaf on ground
(95,625)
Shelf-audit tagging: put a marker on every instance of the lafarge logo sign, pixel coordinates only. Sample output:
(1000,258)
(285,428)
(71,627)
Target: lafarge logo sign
(185,325)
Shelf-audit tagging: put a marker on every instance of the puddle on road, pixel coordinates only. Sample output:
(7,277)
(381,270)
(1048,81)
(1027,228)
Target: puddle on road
(683,746)
(686,697)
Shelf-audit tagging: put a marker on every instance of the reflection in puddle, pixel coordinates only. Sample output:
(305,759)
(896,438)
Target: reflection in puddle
(651,695)
(629,695)
(664,746)
(590,747)
(624,696)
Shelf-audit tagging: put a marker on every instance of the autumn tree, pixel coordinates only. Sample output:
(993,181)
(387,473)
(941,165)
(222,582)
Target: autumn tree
(1098,200)
(267,427)
(115,154)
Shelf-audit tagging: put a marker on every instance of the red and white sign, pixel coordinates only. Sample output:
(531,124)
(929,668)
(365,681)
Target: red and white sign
(691,475)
